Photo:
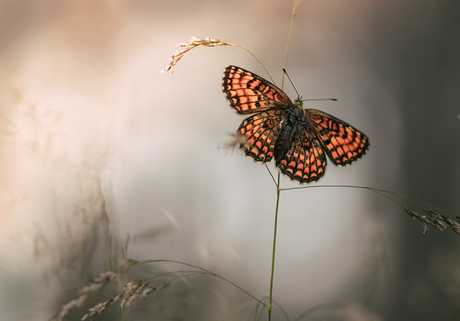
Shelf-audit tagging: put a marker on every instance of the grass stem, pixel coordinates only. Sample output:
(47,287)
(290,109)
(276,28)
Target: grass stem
(270,298)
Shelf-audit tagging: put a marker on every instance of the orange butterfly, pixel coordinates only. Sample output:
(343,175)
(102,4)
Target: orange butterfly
(296,138)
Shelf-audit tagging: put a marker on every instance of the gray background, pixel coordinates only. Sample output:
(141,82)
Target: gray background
(92,132)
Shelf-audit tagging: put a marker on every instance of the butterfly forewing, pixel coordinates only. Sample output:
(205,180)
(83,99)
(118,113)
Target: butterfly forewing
(343,143)
(248,93)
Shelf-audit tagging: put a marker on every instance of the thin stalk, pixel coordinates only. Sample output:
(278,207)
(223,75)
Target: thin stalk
(294,12)
(278,190)
(270,298)
(202,270)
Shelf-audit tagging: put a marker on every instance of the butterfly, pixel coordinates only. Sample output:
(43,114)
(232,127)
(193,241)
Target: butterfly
(297,139)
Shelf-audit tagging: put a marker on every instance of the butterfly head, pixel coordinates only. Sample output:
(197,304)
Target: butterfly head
(298,102)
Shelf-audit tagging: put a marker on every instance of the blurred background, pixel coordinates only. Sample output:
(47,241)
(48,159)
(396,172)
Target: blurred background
(103,157)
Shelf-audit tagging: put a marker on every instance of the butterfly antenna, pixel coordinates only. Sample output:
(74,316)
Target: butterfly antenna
(315,99)
(285,72)
(333,99)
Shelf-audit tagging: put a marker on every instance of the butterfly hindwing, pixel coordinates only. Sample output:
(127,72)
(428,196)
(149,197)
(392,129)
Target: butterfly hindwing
(305,161)
(259,134)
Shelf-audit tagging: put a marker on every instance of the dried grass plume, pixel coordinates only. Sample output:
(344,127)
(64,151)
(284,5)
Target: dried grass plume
(192,44)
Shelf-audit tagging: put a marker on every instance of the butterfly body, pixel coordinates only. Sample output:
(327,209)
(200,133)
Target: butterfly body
(298,139)
(288,131)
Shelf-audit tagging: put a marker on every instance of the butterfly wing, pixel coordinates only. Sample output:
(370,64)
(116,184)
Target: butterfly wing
(343,143)
(257,134)
(249,93)
(305,161)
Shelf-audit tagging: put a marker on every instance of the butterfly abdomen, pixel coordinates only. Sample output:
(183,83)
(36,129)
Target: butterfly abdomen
(288,132)
(284,141)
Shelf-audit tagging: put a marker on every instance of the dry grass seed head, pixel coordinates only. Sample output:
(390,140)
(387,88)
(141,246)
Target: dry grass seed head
(192,44)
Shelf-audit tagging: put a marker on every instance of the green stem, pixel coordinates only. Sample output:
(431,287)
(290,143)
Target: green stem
(270,303)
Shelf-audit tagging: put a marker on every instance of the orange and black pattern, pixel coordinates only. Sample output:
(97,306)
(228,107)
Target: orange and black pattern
(298,139)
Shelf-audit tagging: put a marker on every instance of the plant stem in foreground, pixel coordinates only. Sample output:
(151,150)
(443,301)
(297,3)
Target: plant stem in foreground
(270,303)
